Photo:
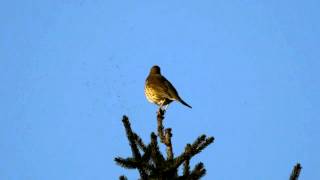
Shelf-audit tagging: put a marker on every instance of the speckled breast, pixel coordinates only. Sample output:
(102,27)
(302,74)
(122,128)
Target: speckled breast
(152,96)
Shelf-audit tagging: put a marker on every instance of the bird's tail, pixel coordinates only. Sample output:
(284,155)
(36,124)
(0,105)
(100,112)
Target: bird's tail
(184,103)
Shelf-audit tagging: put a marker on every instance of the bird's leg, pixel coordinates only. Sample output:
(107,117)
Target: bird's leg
(161,103)
(165,107)
(162,107)
(166,102)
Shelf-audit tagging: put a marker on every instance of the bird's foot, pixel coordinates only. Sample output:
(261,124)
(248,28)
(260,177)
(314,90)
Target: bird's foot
(161,111)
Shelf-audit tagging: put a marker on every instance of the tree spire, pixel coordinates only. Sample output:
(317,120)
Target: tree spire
(150,161)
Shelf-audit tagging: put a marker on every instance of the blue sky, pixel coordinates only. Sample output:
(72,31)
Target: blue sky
(70,69)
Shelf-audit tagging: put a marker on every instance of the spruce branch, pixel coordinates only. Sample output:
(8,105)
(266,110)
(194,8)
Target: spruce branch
(168,143)
(201,143)
(123,178)
(147,154)
(155,151)
(152,164)
(186,164)
(198,171)
(140,143)
(164,135)
(129,163)
(295,172)
(135,151)
(160,117)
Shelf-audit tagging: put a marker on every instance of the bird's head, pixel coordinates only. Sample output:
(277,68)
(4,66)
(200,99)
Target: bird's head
(155,70)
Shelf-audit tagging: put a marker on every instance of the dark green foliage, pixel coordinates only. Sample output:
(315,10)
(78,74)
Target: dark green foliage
(152,164)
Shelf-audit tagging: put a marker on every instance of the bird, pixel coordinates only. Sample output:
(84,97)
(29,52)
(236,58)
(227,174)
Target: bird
(159,90)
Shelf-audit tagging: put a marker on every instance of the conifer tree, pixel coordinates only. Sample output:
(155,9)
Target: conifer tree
(152,164)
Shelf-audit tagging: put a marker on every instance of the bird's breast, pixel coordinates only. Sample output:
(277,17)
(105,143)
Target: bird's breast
(152,96)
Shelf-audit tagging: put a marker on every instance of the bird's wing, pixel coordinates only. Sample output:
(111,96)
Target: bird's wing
(157,83)
(171,90)
(174,94)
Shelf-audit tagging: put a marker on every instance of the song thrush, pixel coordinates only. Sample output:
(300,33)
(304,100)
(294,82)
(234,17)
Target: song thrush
(159,90)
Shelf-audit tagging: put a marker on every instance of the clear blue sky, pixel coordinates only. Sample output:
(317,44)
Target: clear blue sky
(69,70)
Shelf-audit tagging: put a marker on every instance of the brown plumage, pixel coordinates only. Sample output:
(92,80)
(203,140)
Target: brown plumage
(159,90)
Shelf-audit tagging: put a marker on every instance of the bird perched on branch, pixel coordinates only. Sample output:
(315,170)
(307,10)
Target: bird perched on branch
(159,90)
